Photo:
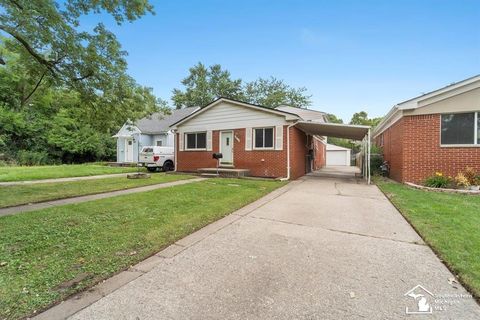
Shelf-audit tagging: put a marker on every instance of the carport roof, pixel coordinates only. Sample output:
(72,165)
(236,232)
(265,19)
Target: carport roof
(337,130)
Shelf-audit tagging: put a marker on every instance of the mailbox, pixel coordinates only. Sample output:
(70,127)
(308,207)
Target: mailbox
(217,155)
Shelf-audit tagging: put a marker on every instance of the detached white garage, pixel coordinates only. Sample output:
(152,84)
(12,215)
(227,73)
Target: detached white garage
(338,156)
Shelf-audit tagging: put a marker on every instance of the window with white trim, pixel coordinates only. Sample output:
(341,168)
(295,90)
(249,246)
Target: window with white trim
(460,128)
(159,143)
(196,141)
(263,138)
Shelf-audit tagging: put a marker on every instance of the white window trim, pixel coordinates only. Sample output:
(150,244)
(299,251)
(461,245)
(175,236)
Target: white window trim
(157,141)
(254,138)
(475,143)
(186,148)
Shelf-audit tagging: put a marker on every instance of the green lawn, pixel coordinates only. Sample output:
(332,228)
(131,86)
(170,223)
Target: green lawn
(449,223)
(42,249)
(60,171)
(22,194)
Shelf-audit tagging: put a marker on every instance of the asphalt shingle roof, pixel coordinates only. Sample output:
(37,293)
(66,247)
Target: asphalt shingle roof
(305,114)
(159,122)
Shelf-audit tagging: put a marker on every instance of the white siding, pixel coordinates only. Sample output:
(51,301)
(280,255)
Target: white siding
(229,116)
(209,140)
(279,137)
(160,137)
(128,130)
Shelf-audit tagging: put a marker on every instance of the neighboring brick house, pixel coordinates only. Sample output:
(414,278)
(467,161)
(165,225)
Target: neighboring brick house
(263,140)
(436,132)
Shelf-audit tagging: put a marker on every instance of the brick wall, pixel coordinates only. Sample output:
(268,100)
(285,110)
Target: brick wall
(320,155)
(298,151)
(393,149)
(423,154)
(261,163)
(412,146)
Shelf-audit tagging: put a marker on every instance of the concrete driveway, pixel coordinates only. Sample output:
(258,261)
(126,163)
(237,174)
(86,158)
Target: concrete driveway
(322,248)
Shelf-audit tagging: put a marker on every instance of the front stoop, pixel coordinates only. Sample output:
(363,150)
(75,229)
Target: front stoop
(224,172)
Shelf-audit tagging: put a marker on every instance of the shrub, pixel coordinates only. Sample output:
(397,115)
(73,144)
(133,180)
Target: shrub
(32,158)
(438,180)
(376,161)
(462,180)
(477,180)
(470,174)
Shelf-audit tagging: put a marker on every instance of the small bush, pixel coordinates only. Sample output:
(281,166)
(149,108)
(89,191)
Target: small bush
(477,180)
(438,180)
(376,161)
(32,158)
(462,181)
(470,174)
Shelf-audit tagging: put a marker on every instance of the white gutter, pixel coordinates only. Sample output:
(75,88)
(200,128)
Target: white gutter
(175,139)
(288,152)
(369,155)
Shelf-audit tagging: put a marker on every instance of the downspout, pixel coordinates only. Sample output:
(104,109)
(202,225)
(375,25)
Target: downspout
(175,146)
(288,152)
(369,155)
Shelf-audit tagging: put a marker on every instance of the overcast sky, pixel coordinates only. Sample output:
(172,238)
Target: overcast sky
(350,55)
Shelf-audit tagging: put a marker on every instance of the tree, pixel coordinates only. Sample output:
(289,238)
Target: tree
(56,125)
(333,118)
(273,92)
(205,84)
(361,118)
(46,36)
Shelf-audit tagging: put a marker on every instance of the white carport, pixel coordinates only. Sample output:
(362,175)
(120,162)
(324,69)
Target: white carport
(339,130)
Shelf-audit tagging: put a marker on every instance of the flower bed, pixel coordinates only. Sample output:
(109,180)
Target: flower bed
(463,191)
(467,181)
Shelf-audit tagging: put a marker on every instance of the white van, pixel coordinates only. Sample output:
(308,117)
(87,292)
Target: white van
(154,157)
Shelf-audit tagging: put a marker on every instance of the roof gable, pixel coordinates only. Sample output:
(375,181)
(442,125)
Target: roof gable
(259,110)
(440,94)
(304,113)
(428,99)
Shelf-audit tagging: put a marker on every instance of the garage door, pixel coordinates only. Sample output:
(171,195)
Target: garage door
(336,158)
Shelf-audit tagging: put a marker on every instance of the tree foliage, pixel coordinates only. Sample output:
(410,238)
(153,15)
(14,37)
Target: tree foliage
(54,51)
(333,118)
(361,118)
(64,93)
(205,84)
(273,92)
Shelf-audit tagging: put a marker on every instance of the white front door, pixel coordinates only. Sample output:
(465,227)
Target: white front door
(128,150)
(226,147)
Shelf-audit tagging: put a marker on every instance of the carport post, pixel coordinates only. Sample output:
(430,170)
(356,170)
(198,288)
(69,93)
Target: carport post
(368,157)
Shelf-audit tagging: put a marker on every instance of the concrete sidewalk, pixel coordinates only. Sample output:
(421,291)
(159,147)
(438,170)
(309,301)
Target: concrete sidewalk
(102,176)
(320,248)
(54,203)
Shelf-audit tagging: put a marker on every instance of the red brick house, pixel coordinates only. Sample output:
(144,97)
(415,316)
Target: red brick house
(263,140)
(435,132)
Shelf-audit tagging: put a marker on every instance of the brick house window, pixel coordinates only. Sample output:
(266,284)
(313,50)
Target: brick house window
(196,141)
(459,128)
(263,138)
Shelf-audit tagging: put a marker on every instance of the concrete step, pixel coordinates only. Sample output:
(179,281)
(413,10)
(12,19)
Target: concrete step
(225,172)
(209,175)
